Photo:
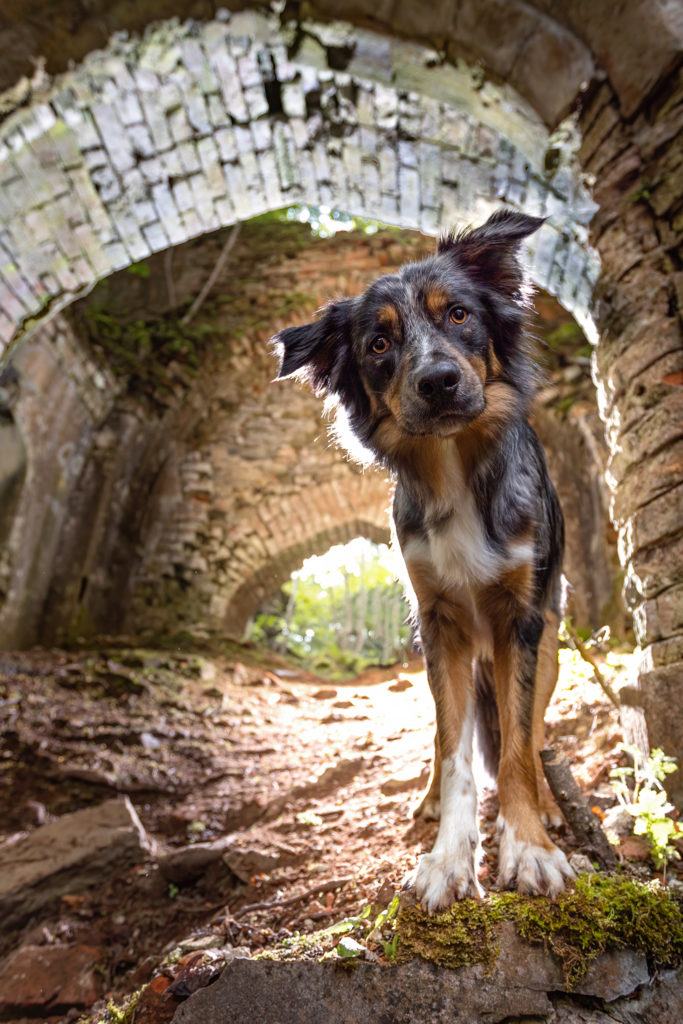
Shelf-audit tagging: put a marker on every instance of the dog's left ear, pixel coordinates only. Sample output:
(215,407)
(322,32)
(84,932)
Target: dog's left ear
(317,352)
(491,250)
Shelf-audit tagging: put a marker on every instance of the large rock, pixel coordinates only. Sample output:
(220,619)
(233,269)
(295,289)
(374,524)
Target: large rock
(520,985)
(49,979)
(69,854)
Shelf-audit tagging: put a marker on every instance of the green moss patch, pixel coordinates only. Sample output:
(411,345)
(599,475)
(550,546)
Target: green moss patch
(601,913)
(464,934)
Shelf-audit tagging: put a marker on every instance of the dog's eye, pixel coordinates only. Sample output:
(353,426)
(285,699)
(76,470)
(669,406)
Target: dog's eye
(380,345)
(457,315)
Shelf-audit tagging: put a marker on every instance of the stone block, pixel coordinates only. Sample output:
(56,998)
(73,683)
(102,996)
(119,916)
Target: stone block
(256,101)
(409,196)
(659,427)
(622,355)
(640,394)
(217,112)
(285,156)
(328,993)
(225,69)
(69,854)
(660,693)
(227,144)
(660,617)
(657,568)
(155,237)
(645,482)
(114,136)
(189,157)
(662,652)
(45,980)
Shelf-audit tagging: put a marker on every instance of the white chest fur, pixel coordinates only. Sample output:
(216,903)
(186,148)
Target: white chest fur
(458,549)
(456,545)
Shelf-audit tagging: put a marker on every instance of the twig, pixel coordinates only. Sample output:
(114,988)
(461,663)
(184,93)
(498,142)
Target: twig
(211,280)
(335,883)
(588,657)
(168,274)
(583,823)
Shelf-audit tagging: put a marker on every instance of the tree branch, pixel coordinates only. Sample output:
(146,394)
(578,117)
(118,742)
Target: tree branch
(211,280)
(581,820)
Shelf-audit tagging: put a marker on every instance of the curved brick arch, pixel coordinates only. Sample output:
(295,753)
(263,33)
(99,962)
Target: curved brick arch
(152,142)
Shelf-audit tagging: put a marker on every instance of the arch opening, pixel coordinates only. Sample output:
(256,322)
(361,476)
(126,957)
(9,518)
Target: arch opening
(339,612)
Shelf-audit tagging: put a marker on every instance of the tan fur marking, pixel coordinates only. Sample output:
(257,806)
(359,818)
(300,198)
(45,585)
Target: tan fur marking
(387,316)
(479,367)
(519,582)
(436,301)
(494,362)
(448,626)
(518,775)
(421,456)
(546,678)
(501,406)
(517,780)
(432,794)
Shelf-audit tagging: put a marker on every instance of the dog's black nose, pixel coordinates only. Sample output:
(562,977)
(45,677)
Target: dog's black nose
(439,382)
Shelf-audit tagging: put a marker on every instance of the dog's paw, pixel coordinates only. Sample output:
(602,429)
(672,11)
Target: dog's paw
(440,879)
(428,808)
(532,868)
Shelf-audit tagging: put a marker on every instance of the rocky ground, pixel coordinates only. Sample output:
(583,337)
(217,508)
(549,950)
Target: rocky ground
(271,802)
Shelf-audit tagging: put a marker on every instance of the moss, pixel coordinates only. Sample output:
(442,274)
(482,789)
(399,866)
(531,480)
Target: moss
(600,913)
(124,1014)
(463,934)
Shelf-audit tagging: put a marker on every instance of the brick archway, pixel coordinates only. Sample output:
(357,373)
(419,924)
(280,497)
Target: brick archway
(152,142)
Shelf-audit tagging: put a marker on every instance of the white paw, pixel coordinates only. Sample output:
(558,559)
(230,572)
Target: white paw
(532,868)
(442,878)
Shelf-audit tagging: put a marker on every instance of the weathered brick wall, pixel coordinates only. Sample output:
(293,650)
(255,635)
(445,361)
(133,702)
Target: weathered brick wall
(638,166)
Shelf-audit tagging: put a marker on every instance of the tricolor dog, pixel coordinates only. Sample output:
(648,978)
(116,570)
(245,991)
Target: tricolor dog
(431,374)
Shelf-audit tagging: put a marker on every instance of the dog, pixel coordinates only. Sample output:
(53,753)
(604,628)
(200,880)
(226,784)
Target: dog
(432,377)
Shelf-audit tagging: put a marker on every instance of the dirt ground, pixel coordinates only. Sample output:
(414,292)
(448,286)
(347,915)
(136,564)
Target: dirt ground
(313,782)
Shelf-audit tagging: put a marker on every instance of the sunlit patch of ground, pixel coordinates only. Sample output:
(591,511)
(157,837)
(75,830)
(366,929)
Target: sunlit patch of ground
(313,782)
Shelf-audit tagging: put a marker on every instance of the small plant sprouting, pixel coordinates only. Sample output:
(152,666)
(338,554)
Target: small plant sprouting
(350,948)
(639,790)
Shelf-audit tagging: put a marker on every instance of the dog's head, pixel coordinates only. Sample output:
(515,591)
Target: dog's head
(425,352)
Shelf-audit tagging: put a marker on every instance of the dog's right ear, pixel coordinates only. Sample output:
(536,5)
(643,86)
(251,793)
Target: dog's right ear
(318,352)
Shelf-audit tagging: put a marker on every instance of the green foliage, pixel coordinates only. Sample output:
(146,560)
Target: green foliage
(124,1014)
(139,269)
(381,932)
(639,789)
(600,913)
(338,622)
(325,222)
(361,937)
(349,948)
(143,351)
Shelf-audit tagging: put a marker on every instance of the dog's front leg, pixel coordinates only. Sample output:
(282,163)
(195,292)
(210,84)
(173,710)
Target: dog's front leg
(527,857)
(449,871)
